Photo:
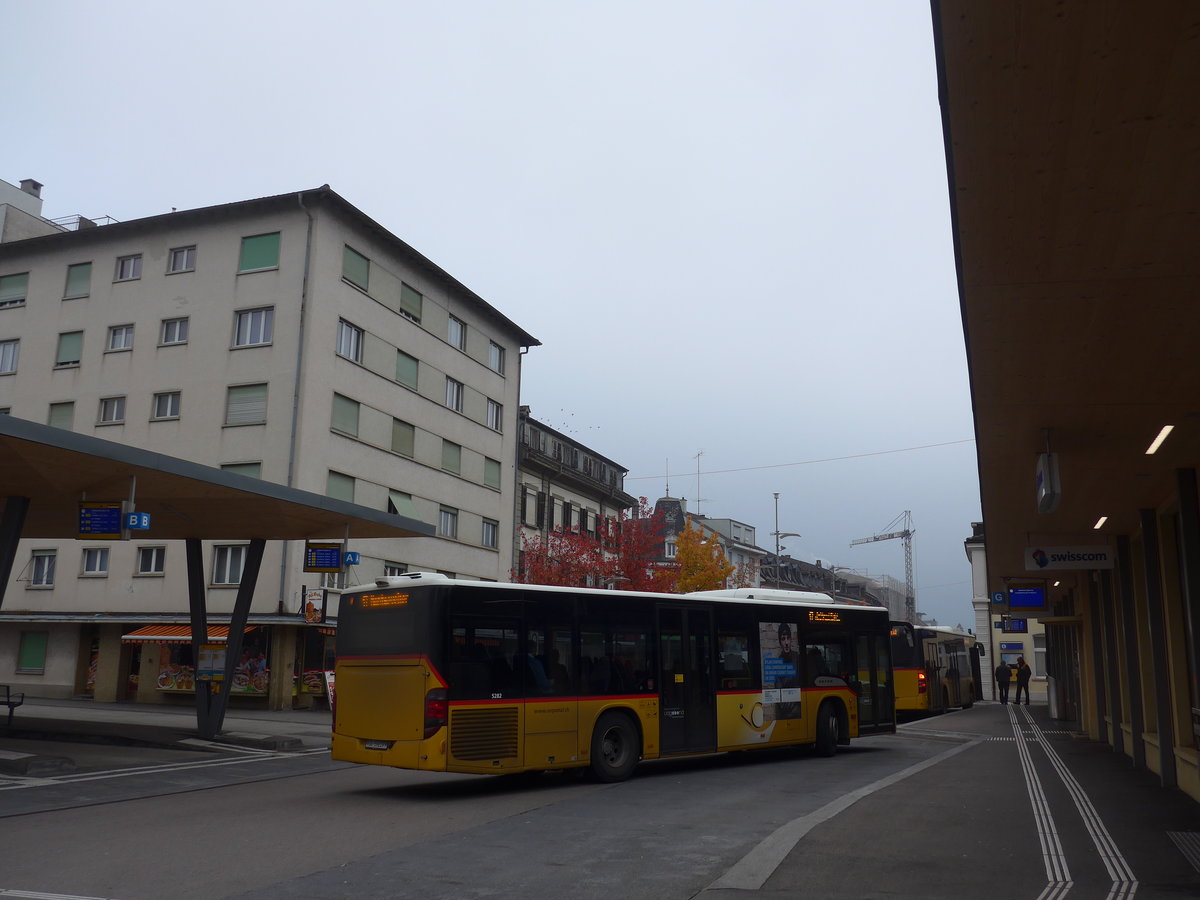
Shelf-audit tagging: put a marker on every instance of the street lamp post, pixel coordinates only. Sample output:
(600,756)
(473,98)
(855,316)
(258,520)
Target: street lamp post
(778,535)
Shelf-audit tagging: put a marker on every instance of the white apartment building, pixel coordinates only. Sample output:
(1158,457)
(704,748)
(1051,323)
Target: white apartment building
(290,338)
(563,483)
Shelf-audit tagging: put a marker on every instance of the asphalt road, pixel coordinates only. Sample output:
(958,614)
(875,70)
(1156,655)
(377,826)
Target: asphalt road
(282,825)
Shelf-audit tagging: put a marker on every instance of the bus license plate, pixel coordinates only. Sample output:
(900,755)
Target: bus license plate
(378,745)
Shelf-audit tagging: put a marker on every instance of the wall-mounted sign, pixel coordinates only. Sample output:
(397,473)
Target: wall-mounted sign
(1041,559)
(136,521)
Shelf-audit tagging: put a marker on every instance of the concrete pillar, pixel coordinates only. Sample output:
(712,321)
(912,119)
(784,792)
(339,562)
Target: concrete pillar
(283,664)
(110,675)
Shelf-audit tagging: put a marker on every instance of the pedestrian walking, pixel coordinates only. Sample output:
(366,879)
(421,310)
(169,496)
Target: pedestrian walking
(1003,679)
(1024,673)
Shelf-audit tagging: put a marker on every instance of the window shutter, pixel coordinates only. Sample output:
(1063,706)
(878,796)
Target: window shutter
(339,486)
(62,415)
(345,414)
(566,518)
(401,504)
(12,288)
(406,369)
(259,252)
(356,268)
(410,301)
(79,280)
(403,437)
(70,348)
(247,403)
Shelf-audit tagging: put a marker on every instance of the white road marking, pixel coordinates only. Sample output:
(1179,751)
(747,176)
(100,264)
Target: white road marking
(1124,883)
(1058,876)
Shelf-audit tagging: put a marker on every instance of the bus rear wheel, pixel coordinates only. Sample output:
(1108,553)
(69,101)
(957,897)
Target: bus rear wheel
(615,747)
(827,729)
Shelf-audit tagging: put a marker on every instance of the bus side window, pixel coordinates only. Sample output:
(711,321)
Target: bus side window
(734,655)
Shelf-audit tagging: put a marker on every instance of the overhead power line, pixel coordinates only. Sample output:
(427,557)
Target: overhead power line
(812,462)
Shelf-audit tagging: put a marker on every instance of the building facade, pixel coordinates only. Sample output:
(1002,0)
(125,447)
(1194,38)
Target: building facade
(289,338)
(562,483)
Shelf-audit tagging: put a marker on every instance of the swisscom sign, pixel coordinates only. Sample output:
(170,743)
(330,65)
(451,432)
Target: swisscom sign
(1041,559)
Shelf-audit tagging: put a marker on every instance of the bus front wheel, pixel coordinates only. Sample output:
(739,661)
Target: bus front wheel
(827,729)
(615,747)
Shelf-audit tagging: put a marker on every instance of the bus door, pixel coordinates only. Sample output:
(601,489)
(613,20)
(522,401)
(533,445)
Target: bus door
(687,704)
(876,698)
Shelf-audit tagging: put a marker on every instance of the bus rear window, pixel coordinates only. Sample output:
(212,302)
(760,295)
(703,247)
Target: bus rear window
(383,623)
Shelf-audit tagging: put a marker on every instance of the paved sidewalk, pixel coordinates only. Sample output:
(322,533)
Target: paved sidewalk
(1018,806)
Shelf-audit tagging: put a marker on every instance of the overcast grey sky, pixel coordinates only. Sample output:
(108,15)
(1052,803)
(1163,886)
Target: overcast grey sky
(727,223)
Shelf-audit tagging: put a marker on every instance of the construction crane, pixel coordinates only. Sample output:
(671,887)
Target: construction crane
(905,532)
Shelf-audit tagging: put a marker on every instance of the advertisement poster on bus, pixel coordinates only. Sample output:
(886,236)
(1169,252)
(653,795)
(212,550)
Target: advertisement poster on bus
(780,669)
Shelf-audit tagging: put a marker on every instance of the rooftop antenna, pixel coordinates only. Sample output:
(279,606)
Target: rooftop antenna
(667,475)
(699,454)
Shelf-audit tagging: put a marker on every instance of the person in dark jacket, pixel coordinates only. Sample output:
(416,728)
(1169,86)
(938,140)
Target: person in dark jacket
(1024,673)
(1003,679)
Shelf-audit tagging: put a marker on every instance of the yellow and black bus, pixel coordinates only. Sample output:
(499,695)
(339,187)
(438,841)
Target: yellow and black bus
(439,674)
(933,670)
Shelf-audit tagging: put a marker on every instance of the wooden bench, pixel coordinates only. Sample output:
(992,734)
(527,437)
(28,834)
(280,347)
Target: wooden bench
(11,700)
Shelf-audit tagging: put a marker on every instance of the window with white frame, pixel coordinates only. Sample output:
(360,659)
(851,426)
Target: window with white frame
(129,268)
(166,405)
(491,533)
(42,568)
(13,289)
(495,357)
(151,560)
(495,415)
(112,410)
(228,562)
(181,259)
(394,568)
(454,394)
(349,341)
(174,331)
(448,522)
(120,337)
(9,351)
(456,333)
(95,560)
(671,549)
(253,327)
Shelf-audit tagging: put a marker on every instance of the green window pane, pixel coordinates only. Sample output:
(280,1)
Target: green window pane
(70,349)
(79,280)
(356,268)
(259,252)
(31,657)
(345,414)
(451,457)
(250,469)
(340,487)
(406,369)
(401,504)
(491,473)
(403,436)
(62,415)
(410,301)
(12,289)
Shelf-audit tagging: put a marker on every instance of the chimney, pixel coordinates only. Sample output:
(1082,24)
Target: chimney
(30,186)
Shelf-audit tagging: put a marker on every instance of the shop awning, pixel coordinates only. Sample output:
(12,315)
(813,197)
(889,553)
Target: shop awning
(175,634)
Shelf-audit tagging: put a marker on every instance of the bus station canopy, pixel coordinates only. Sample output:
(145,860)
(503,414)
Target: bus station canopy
(57,469)
(1073,154)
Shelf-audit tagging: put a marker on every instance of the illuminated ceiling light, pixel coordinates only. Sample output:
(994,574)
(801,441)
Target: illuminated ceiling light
(1100,523)
(1162,436)
(1056,584)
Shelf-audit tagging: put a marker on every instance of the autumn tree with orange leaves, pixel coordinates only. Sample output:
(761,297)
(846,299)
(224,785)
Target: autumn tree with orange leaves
(702,563)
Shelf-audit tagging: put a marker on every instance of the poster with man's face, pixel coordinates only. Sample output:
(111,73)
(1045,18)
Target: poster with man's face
(780,668)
